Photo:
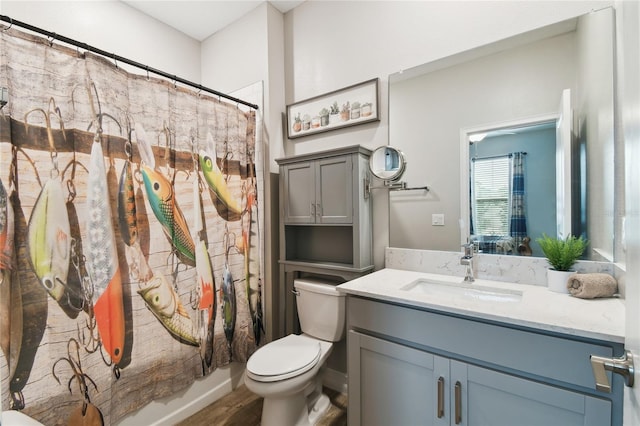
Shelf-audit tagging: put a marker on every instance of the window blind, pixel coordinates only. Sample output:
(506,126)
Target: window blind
(491,196)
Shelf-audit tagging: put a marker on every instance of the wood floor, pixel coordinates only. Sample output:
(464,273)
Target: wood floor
(243,408)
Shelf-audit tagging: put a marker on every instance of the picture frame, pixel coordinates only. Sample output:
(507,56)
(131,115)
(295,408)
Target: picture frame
(349,106)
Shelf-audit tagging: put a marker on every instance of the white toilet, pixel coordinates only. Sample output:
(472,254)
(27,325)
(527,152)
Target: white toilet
(286,371)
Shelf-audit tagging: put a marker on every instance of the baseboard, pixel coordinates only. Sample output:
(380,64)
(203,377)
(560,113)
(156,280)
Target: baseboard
(334,379)
(193,405)
(183,404)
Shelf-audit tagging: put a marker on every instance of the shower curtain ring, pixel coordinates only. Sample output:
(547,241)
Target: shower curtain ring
(10,24)
(115,61)
(53,37)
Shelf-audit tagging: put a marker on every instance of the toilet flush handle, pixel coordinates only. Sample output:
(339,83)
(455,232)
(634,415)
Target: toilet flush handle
(296,292)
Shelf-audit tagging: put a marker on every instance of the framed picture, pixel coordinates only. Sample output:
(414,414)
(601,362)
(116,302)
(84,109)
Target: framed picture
(349,106)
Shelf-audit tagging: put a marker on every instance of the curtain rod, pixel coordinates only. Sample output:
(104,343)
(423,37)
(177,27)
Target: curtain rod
(117,58)
(491,157)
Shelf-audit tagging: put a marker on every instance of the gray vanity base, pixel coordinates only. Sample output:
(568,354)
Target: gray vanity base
(412,366)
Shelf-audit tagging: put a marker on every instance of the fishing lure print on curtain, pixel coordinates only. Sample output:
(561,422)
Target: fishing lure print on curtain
(129,235)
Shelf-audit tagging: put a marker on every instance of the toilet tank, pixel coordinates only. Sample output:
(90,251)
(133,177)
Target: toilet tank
(321,309)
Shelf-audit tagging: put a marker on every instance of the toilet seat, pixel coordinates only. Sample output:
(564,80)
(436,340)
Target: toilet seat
(284,358)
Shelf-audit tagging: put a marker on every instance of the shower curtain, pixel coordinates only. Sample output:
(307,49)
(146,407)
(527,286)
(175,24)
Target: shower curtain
(517,210)
(130,244)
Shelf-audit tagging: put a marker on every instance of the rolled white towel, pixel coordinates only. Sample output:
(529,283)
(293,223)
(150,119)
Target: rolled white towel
(591,286)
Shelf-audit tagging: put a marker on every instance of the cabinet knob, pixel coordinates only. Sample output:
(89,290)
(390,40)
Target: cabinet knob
(622,366)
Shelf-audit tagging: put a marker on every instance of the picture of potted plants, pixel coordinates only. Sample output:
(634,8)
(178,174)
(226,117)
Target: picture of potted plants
(561,255)
(366,109)
(334,113)
(297,123)
(344,112)
(324,117)
(355,110)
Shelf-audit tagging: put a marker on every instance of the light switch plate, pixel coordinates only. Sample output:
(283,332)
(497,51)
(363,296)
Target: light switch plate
(437,219)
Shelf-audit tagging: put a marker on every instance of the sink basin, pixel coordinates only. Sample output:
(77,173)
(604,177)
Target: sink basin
(462,290)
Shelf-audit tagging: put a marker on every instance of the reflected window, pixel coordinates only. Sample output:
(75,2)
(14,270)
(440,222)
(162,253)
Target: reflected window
(490,196)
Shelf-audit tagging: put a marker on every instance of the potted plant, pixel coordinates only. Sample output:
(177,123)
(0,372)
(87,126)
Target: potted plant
(366,109)
(355,110)
(334,113)
(324,117)
(306,122)
(297,123)
(344,112)
(561,255)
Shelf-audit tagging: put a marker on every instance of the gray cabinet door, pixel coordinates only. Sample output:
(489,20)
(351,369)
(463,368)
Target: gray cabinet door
(299,193)
(334,190)
(391,384)
(492,398)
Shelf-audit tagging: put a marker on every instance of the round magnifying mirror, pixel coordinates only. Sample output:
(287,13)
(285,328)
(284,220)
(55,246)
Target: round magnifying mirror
(387,163)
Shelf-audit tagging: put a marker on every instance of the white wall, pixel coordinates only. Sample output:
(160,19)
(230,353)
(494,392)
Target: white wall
(114,27)
(252,50)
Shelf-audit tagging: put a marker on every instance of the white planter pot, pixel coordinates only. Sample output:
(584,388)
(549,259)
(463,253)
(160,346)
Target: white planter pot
(557,280)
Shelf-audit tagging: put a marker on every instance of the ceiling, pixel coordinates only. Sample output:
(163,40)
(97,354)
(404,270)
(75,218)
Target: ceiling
(200,19)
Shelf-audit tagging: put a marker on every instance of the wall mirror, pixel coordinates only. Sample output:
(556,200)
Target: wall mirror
(508,92)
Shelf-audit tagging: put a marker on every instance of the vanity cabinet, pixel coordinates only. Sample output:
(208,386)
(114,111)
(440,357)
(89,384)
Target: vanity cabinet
(326,223)
(412,366)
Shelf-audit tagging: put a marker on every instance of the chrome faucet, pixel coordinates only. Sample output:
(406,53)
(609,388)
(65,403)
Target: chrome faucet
(467,260)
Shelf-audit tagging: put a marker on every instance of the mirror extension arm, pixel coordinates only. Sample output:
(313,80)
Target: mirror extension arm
(392,186)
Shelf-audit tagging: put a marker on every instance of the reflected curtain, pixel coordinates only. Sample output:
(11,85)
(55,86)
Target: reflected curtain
(129,225)
(517,208)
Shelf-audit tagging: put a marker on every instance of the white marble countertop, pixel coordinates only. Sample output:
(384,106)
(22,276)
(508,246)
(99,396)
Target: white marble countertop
(538,308)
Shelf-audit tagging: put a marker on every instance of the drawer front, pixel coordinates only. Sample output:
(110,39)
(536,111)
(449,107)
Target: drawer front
(507,349)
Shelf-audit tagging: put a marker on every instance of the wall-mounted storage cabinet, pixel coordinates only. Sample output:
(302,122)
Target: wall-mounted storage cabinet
(326,220)
(319,191)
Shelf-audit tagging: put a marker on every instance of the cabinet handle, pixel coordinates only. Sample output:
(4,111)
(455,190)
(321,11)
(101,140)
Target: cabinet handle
(440,397)
(319,209)
(458,403)
(313,210)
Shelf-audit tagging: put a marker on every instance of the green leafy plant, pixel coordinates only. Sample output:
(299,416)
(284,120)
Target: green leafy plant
(562,254)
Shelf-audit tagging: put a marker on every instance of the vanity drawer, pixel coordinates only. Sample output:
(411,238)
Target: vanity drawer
(517,351)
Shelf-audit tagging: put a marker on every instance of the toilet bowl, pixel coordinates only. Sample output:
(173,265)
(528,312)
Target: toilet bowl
(287,372)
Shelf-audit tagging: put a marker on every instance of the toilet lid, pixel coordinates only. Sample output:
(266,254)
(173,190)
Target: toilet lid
(284,358)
